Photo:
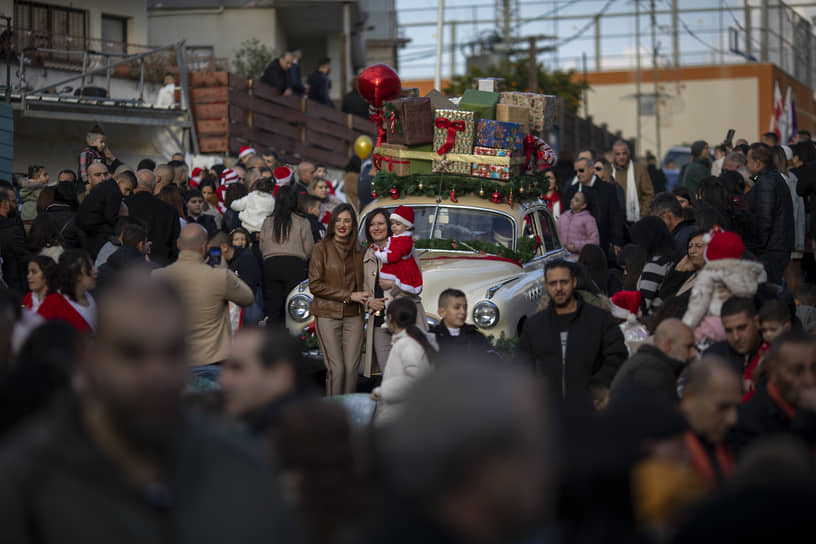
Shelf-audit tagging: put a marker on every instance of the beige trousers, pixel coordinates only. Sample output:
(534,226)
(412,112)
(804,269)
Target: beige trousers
(341,341)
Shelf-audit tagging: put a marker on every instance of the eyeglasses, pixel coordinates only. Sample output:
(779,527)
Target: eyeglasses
(580,170)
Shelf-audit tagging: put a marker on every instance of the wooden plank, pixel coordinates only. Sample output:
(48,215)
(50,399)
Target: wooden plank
(316,154)
(293,102)
(262,90)
(322,111)
(240,130)
(213,144)
(238,115)
(276,126)
(208,79)
(277,111)
(214,127)
(209,95)
(6,136)
(235,144)
(237,83)
(240,98)
(332,129)
(362,125)
(324,141)
(210,111)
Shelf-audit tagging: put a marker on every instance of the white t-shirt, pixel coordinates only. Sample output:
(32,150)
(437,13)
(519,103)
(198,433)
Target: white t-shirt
(88,312)
(454,332)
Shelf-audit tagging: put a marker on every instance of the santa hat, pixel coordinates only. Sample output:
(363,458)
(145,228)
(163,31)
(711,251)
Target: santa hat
(245,150)
(723,244)
(282,174)
(404,215)
(228,176)
(195,177)
(625,303)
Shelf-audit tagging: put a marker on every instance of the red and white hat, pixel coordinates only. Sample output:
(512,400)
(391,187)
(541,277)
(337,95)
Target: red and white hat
(723,244)
(195,177)
(625,303)
(245,150)
(405,215)
(229,176)
(282,174)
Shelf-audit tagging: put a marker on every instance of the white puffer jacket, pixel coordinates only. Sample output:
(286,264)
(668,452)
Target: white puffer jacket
(407,363)
(253,209)
(717,282)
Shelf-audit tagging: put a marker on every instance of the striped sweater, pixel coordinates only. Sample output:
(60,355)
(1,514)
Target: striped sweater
(651,278)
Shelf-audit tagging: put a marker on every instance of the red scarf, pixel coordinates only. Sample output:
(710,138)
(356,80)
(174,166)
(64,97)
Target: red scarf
(701,464)
(788,409)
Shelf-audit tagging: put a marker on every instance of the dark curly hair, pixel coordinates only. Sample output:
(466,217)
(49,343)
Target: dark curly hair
(49,270)
(72,264)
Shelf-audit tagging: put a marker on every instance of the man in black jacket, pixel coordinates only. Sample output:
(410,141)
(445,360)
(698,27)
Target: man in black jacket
(276,74)
(161,219)
(605,203)
(658,366)
(319,83)
(771,209)
(98,212)
(570,342)
(741,324)
(668,208)
(13,250)
(787,403)
(293,74)
(120,461)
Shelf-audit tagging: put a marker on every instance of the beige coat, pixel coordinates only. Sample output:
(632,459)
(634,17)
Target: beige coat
(206,292)
(643,183)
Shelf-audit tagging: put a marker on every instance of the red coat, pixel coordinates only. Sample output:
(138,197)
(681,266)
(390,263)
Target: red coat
(399,264)
(56,307)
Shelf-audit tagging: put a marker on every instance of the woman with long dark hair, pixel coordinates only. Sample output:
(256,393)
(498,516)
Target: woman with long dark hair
(552,197)
(409,359)
(286,244)
(336,282)
(73,303)
(172,195)
(652,234)
(42,281)
(376,229)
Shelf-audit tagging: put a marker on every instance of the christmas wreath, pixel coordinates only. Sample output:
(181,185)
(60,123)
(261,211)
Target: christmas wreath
(451,185)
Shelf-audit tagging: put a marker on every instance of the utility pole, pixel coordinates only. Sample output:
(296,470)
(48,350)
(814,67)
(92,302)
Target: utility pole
(505,20)
(748,39)
(675,36)
(440,14)
(654,73)
(532,69)
(637,74)
(586,95)
(453,50)
(763,36)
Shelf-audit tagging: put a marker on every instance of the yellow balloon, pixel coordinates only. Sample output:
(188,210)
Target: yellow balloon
(363,146)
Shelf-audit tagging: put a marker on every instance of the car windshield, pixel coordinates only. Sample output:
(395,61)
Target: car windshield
(462,224)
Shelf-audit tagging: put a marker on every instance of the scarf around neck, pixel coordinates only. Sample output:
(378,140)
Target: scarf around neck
(632,203)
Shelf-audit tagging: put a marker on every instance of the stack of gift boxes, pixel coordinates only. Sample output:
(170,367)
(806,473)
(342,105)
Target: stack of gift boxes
(432,134)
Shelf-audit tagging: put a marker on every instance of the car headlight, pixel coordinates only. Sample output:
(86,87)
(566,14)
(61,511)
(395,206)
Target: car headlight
(431,322)
(485,314)
(299,307)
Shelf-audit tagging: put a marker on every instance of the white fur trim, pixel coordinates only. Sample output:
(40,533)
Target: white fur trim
(620,313)
(401,219)
(246,152)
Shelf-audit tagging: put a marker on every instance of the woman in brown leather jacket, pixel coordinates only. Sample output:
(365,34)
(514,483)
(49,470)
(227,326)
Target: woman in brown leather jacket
(336,282)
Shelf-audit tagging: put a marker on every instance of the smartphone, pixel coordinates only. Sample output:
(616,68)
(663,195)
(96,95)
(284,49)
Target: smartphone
(729,137)
(215,256)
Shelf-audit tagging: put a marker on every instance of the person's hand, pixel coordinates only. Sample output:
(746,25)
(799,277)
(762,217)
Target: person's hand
(287,92)
(748,385)
(374,396)
(376,304)
(617,249)
(109,154)
(359,296)
(684,265)
(807,399)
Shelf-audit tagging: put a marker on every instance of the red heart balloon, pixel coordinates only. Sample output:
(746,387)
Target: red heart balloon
(379,83)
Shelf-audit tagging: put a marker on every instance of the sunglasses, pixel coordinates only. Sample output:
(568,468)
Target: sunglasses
(580,170)
(598,168)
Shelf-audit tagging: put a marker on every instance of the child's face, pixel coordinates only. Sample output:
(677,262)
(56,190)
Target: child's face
(320,172)
(194,205)
(239,240)
(454,312)
(42,177)
(398,227)
(772,329)
(578,202)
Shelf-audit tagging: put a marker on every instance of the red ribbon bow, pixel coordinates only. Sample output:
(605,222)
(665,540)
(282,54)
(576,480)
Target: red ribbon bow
(377,119)
(378,160)
(452,127)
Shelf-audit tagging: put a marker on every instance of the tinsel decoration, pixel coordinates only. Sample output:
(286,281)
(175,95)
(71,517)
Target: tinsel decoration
(394,192)
(453,194)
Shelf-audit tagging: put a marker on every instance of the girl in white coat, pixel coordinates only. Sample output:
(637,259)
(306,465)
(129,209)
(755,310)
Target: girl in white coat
(256,206)
(408,361)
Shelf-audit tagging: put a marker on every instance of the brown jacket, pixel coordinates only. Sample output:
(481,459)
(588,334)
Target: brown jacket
(327,279)
(298,243)
(206,292)
(643,183)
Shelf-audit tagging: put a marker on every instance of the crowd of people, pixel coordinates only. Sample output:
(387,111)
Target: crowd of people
(664,391)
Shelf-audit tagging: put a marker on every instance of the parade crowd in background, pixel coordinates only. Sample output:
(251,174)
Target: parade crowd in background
(665,391)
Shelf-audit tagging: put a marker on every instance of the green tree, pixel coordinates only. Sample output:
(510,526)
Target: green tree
(252,58)
(515,76)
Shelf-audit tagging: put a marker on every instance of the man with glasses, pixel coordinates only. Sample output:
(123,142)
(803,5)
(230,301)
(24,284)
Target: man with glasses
(666,207)
(606,211)
(13,250)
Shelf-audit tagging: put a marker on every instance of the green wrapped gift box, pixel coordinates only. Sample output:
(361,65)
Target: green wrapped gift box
(482,102)
(418,166)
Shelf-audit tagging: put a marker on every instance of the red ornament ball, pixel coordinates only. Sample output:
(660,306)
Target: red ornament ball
(379,83)
(394,192)
(496,197)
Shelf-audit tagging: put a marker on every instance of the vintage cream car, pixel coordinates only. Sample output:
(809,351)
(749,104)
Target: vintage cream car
(476,246)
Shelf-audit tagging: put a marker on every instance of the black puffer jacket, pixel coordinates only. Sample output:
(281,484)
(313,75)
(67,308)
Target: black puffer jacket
(14,254)
(771,209)
(595,348)
(806,187)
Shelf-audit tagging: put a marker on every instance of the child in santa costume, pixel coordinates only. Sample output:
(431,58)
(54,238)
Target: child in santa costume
(400,272)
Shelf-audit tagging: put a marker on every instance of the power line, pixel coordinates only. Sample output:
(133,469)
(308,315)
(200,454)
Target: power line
(586,27)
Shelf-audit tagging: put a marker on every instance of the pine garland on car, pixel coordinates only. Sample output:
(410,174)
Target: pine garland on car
(430,185)
(525,252)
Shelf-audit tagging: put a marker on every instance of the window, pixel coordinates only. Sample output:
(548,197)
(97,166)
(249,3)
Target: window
(464,224)
(200,58)
(114,34)
(549,234)
(53,27)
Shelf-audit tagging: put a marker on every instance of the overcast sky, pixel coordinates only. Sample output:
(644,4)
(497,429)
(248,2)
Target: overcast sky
(703,36)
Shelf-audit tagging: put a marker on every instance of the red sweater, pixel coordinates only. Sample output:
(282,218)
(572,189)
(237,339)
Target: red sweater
(56,307)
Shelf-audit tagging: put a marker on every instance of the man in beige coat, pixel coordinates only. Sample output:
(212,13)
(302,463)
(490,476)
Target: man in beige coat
(206,292)
(635,180)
